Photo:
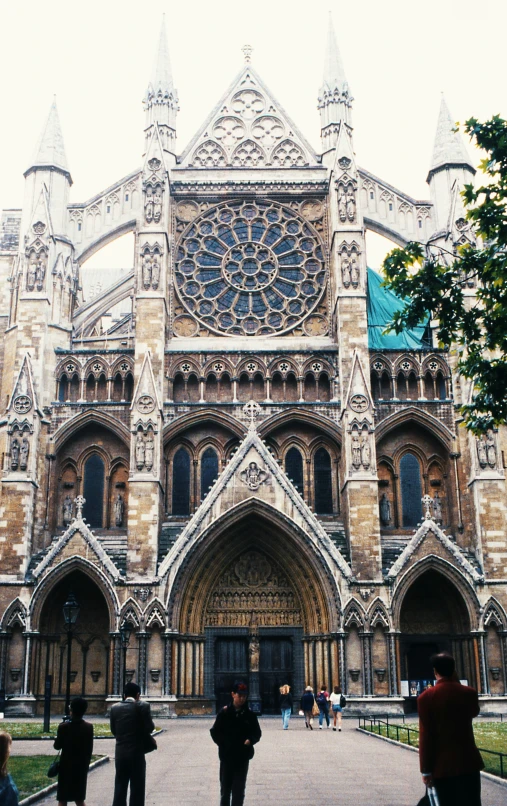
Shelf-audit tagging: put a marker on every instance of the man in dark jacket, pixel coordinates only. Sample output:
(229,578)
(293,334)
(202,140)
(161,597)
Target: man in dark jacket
(448,756)
(235,731)
(130,723)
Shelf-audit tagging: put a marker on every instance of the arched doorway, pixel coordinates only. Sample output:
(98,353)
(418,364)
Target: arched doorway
(90,649)
(434,618)
(255,603)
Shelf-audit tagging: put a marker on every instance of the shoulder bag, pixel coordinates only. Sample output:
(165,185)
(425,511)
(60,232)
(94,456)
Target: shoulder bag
(148,742)
(54,767)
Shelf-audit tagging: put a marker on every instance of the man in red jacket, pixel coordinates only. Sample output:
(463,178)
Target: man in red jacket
(449,758)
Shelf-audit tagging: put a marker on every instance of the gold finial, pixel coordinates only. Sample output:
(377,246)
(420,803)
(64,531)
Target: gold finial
(247,51)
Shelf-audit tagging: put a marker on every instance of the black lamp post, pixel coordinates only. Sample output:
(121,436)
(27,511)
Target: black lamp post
(70,614)
(125,633)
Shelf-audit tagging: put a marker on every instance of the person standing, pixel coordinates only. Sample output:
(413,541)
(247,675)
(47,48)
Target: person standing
(323,703)
(285,705)
(235,731)
(75,739)
(336,705)
(130,722)
(8,790)
(307,704)
(449,758)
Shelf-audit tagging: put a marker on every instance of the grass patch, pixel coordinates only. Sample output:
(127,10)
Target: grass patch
(489,736)
(30,773)
(34,730)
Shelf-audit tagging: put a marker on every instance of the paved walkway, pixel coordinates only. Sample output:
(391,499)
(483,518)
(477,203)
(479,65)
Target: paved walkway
(292,767)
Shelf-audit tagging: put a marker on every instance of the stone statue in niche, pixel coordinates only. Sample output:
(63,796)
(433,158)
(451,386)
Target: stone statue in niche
(147,270)
(30,274)
(354,272)
(491,448)
(365,450)
(140,451)
(148,205)
(356,451)
(437,509)
(481,451)
(157,205)
(155,272)
(351,205)
(149,451)
(342,203)
(118,511)
(67,510)
(385,510)
(23,453)
(254,652)
(40,272)
(254,476)
(14,454)
(346,276)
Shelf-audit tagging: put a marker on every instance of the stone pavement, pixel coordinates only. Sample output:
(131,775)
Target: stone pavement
(292,767)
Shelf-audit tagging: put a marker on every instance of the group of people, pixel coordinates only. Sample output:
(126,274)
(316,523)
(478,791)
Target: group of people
(450,761)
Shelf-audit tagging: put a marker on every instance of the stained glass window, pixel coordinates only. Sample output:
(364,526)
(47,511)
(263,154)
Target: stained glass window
(243,267)
(209,470)
(181,483)
(93,509)
(294,468)
(411,490)
(323,485)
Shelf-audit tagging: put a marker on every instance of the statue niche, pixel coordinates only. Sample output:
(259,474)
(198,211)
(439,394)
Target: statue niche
(253,592)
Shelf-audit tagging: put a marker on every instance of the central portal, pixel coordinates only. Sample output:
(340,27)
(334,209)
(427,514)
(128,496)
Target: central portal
(276,669)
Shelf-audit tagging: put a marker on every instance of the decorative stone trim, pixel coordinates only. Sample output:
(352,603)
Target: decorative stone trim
(80,526)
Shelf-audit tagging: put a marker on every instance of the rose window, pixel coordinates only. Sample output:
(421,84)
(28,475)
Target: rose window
(250,268)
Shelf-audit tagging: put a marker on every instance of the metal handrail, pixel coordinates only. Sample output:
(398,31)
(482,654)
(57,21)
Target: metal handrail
(377,721)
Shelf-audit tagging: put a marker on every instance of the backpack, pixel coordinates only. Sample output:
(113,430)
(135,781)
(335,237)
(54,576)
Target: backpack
(343,701)
(321,698)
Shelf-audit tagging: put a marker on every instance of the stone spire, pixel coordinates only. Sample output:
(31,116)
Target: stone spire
(335,100)
(50,151)
(161,99)
(449,149)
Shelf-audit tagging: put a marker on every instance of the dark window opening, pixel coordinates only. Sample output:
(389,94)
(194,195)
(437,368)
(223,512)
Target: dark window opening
(181,483)
(209,470)
(93,510)
(323,484)
(411,490)
(294,469)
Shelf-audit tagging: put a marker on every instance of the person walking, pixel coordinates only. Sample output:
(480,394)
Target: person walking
(307,704)
(448,756)
(75,739)
(131,723)
(323,703)
(8,790)
(336,706)
(236,729)
(285,705)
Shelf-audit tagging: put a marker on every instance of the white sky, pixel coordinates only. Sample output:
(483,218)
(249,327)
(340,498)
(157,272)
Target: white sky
(97,58)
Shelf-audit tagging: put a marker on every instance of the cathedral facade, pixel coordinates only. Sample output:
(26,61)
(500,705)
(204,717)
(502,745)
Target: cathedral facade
(220,454)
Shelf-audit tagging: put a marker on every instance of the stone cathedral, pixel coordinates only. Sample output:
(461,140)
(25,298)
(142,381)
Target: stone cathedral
(221,448)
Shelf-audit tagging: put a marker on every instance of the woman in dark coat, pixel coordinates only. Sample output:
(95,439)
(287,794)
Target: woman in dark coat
(75,740)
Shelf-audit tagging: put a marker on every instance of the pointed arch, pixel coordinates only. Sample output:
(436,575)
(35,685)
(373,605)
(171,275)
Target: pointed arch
(377,614)
(495,614)
(187,421)
(59,572)
(322,424)
(131,613)
(155,614)
(353,614)
(71,427)
(422,418)
(15,614)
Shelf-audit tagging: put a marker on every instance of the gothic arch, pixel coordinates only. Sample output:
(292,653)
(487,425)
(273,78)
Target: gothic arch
(155,613)
(377,615)
(322,424)
(131,613)
(58,573)
(422,418)
(105,238)
(195,570)
(433,563)
(354,614)
(71,427)
(16,613)
(494,613)
(186,421)
(388,232)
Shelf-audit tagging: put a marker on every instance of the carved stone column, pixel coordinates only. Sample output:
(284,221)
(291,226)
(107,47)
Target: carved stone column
(341,637)
(142,638)
(29,644)
(366,639)
(480,648)
(116,670)
(4,646)
(392,654)
(168,647)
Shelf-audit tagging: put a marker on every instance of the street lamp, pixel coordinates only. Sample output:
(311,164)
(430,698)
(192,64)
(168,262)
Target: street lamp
(70,614)
(125,633)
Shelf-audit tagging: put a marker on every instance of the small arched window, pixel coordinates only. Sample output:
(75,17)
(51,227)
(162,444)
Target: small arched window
(129,387)
(294,469)
(429,387)
(75,387)
(441,387)
(63,389)
(211,389)
(181,483)
(375,385)
(118,387)
(93,491)
(209,470)
(401,386)
(102,388)
(385,387)
(413,391)
(323,484)
(277,388)
(411,490)
(324,388)
(90,388)
(291,388)
(193,393)
(179,389)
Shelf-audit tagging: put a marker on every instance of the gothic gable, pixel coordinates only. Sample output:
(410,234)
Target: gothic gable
(248,129)
(253,473)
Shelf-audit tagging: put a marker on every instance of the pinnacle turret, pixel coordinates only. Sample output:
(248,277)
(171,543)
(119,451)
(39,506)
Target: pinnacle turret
(161,99)
(335,100)
(50,151)
(449,149)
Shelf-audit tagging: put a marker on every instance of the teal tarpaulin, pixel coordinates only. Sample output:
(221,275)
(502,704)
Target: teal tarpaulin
(382,305)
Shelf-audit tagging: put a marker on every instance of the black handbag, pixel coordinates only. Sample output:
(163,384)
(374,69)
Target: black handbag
(54,768)
(149,744)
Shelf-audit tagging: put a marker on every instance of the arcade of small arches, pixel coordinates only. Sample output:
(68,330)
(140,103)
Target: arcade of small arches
(408,378)
(96,381)
(245,590)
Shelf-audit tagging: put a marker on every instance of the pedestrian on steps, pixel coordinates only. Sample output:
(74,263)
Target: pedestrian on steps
(285,705)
